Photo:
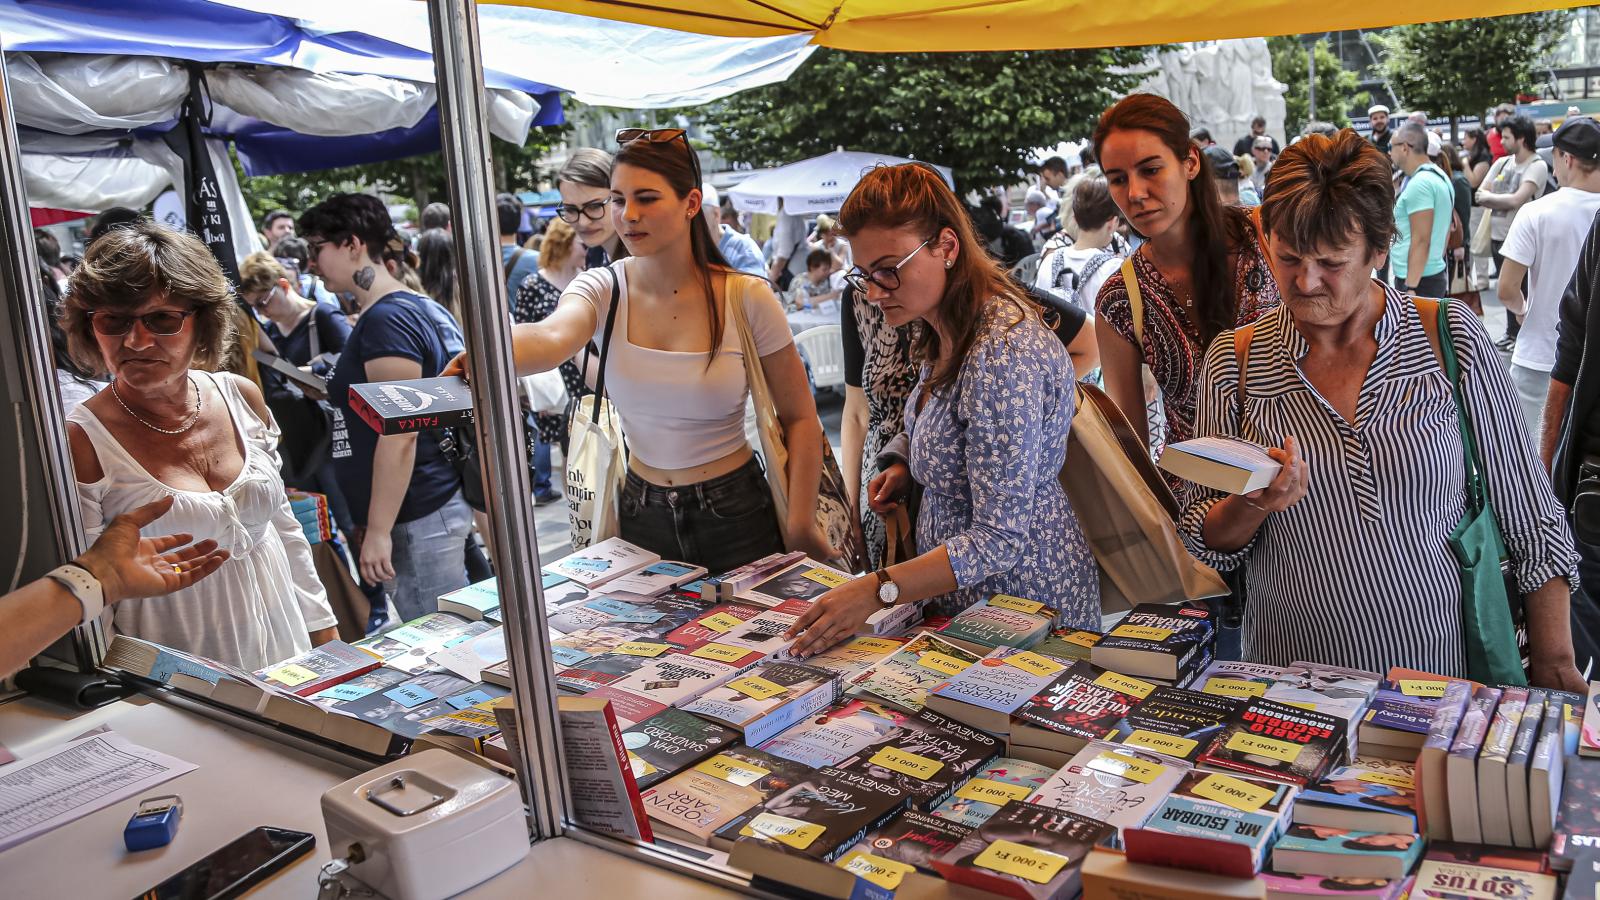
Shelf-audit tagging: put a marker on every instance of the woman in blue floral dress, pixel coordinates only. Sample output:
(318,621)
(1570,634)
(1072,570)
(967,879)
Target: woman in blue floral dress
(986,425)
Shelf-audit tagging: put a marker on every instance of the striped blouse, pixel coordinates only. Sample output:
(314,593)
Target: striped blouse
(1359,571)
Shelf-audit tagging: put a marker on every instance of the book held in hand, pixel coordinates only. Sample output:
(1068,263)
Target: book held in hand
(1226,464)
(417,404)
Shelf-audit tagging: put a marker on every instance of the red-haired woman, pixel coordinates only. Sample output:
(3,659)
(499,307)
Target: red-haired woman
(985,427)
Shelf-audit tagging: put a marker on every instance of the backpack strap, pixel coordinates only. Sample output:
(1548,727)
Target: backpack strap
(1241,354)
(511,262)
(1428,312)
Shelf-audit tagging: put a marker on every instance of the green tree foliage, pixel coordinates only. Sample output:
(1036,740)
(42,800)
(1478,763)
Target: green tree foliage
(978,113)
(1336,85)
(1465,66)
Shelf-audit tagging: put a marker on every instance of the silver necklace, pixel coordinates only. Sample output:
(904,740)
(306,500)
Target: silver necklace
(179,430)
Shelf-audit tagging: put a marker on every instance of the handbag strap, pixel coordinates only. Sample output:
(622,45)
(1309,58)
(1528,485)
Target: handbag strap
(1135,302)
(1241,355)
(1436,325)
(605,345)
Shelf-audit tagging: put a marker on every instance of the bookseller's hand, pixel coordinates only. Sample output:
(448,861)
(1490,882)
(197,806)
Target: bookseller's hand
(128,565)
(835,616)
(1291,483)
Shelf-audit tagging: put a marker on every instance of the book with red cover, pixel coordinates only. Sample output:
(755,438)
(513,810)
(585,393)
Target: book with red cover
(1278,741)
(1050,845)
(319,668)
(694,634)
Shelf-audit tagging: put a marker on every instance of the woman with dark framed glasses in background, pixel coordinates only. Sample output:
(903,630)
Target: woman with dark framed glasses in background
(150,307)
(675,369)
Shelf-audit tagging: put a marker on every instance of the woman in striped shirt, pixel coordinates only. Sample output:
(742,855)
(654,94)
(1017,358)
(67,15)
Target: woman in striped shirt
(1350,566)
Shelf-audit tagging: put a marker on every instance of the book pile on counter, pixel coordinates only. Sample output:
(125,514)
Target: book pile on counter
(989,749)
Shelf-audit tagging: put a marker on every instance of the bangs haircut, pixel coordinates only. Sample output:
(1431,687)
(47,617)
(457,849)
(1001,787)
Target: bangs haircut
(1322,190)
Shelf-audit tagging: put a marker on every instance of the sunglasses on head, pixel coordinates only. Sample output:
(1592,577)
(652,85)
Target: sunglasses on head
(162,322)
(626,136)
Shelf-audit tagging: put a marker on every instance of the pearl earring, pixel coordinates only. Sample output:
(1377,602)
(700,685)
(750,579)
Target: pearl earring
(949,262)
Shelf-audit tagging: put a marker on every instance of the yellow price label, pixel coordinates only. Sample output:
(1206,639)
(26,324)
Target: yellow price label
(1233,687)
(1234,792)
(874,645)
(1031,863)
(1416,687)
(1127,767)
(292,675)
(722,623)
(721,653)
(1006,601)
(1303,704)
(1082,638)
(1245,742)
(643,648)
(940,662)
(885,873)
(825,576)
(732,770)
(784,830)
(473,715)
(1028,661)
(641,767)
(757,688)
(1124,684)
(1170,744)
(987,790)
(1388,779)
(1141,632)
(897,760)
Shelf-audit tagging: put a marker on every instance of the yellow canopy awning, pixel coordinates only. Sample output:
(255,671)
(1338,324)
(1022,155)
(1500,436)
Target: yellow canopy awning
(900,26)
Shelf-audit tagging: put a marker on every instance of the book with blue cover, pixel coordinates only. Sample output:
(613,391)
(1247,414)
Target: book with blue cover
(1341,853)
(1213,822)
(769,699)
(656,578)
(986,693)
(1370,794)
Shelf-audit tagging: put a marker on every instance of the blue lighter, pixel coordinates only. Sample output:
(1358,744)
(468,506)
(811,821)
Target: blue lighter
(155,824)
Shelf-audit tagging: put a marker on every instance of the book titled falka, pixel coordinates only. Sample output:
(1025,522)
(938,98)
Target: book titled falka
(417,404)
(669,680)
(1156,641)
(671,741)
(1213,822)
(986,693)
(1274,740)
(1175,722)
(1340,853)
(1367,795)
(599,563)
(1025,851)
(319,668)
(992,787)
(767,699)
(927,757)
(1115,784)
(914,838)
(1000,621)
(905,676)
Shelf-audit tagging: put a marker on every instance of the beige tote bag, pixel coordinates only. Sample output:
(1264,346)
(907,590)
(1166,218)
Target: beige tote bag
(597,462)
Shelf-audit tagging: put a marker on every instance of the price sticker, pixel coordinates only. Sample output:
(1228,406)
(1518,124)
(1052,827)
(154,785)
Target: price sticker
(1006,601)
(409,635)
(1233,687)
(611,607)
(1030,863)
(292,675)
(1124,684)
(1414,687)
(784,830)
(410,696)
(1233,792)
(1170,744)
(344,691)
(568,656)
(757,688)
(940,662)
(1303,704)
(826,577)
(732,770)
(721,653)
(722,623)
(1127,767)
(1035,663)
(1141,632)
(1245,742)
(897,760)
(642,648)
(1389,779)
(640,767)
(885,873)
(643,617)
(1082,638)
(874,645)
(470,698)
(987,790)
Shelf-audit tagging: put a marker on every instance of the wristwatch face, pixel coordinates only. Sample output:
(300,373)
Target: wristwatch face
(888,593)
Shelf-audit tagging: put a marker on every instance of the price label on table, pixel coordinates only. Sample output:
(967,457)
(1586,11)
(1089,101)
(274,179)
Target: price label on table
(643,617)
(1082,638)
(344,692)
(1011,858)
(1006,601)
(940,662)
(733,771)
(826,577)
(885,873)
(568,656)
(292,675)
(1127,767)
(1414,687)
(611,607)
(757,688)
(1124,684)
(1141,632)
(1233,792)
(873,645)
(1389,779)
(721,653)
(986,790)
(784,830)
(1170,744)
(470,698)
(897,760)
(643,648)
(722,623)
(1245,742)
(1234,687)
(1029,661)
(410,696)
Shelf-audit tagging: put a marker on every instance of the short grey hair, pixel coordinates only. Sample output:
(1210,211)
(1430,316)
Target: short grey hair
(1413,135)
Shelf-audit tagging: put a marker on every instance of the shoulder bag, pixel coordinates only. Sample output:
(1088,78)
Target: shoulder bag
(597,462)
(835,515)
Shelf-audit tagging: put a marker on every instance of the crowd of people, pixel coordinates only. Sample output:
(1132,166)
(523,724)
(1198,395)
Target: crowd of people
(1271,294)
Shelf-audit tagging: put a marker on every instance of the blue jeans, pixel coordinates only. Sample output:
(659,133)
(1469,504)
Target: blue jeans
(429,556)
(541,470)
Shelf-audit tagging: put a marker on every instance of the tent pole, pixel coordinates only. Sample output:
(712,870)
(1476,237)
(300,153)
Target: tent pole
(480,279)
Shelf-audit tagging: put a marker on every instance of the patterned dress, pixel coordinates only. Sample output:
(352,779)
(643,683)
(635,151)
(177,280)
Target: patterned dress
(887,377)
(536,299)
(1172,347)
(988,451)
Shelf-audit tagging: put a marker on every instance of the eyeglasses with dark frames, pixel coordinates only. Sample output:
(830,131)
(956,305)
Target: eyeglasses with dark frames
(887,278)
(163,321)
(594,209)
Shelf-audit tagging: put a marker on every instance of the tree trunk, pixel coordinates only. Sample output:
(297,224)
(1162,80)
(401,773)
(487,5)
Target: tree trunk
(419,187)
(1455,130)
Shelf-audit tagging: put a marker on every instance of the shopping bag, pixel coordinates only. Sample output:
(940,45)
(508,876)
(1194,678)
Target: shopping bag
(1127,512)
(546,392)
(835,515)
(1481,245)
(597,462)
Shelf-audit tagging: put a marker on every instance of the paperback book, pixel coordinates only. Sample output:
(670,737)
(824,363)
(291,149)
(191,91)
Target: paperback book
(669,680)
(1345,693)
(990,788)
(985,694)
(1577,825)
(1461,872)
(905,676)
(1402,710)
(1213,822)
(1274,740)
(1068,644)
(802,582)
(671,741)
(728,584)
(1461,766)
(401,709)
(1494,818)
(855,656)
(1558,739)
(1081,703)
(1176,722)
(1518,768)
(1433,804)
(1237,679)
(319,668)
(599,563)
(1156,641)
(1000,621)
(1589,740)
(1341,853)
(914,838)
(473,601)
(1115,784)
(927,757)
(1288,886)
(835,734)
(690,806)
(711,625)
(1230,465)
(1025,851)
(470,657)
(656,578)
(1368,795)
(767,699)
(818,818)
(408,646)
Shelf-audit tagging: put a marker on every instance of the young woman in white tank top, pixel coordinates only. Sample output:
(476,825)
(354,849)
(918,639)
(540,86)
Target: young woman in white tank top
(675,371)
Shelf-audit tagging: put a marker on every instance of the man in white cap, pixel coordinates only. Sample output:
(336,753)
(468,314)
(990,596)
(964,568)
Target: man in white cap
(739,249)
(1378,115)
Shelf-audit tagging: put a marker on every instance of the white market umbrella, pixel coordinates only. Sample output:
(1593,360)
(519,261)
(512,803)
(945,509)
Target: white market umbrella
(811,186)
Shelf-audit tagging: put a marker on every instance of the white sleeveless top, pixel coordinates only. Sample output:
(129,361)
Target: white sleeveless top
(259,607)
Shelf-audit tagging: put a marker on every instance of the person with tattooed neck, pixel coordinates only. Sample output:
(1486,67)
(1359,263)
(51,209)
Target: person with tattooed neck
(676,369)
(411,519)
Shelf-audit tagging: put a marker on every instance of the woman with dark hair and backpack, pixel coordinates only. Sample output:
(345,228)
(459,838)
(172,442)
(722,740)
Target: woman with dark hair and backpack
(1200,271)
(675,370)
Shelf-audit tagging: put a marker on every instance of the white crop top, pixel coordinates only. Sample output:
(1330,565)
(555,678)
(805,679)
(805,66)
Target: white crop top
(676,412)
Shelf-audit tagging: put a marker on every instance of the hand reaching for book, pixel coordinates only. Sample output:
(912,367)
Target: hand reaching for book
(836,615)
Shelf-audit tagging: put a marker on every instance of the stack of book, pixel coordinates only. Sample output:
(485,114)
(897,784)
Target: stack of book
(1156,642)
(1000,621)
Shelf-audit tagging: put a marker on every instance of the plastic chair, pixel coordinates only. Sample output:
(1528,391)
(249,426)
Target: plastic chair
(823,348)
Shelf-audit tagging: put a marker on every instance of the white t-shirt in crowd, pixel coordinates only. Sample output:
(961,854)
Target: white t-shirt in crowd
(678,413)
(1065,273)
(1505,176)
(1547,236)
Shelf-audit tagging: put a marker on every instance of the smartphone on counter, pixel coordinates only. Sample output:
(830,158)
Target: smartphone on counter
(237,867)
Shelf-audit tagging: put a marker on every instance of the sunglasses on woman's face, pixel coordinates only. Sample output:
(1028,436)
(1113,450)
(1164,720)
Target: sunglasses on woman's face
(594,209)
(163,322)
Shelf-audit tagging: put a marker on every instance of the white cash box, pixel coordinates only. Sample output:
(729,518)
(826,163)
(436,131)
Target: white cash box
(429,826)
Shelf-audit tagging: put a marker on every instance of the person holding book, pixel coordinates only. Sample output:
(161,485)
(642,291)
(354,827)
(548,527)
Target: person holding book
(150,306)
(1343,384)
(676,372)
(985,427)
